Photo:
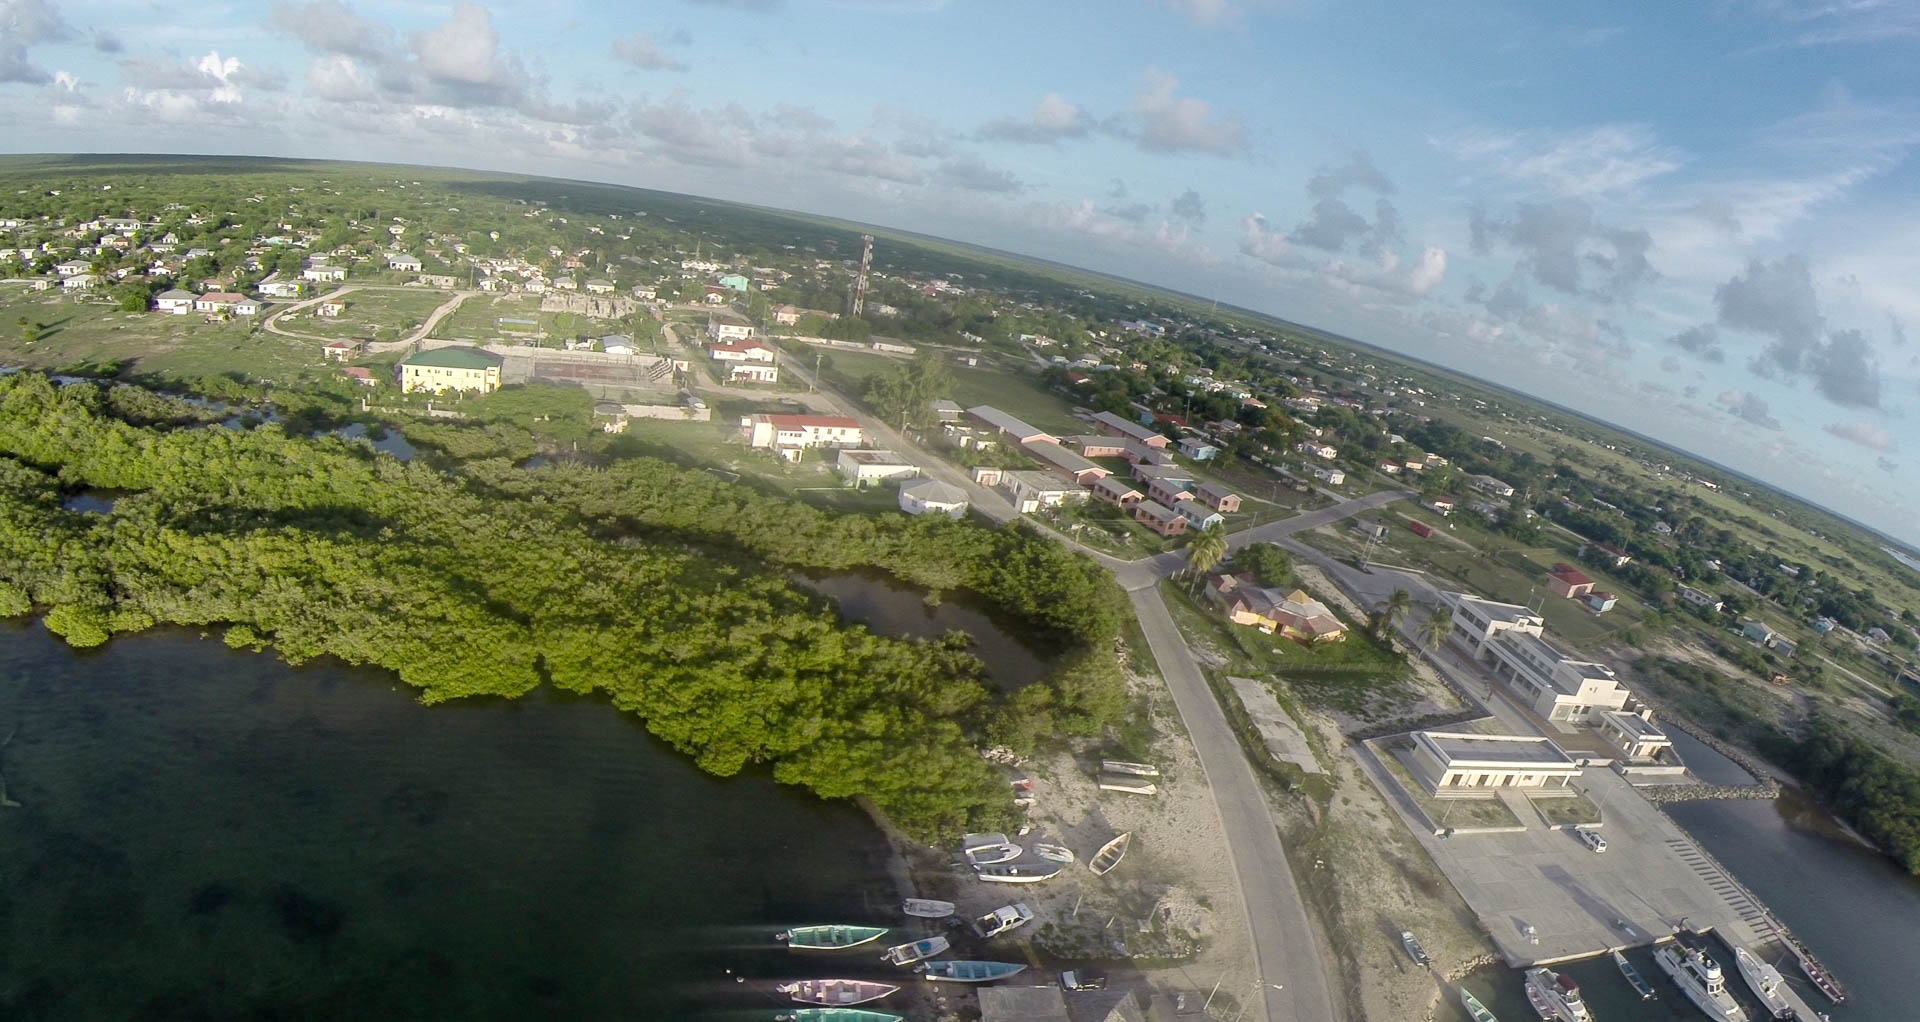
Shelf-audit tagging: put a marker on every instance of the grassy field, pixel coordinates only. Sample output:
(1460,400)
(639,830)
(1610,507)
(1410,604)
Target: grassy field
(77,332)
(374,315)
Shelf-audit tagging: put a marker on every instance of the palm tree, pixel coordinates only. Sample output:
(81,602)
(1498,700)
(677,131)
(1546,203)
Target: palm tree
(1393,610)
(1207,548)
(1435,629)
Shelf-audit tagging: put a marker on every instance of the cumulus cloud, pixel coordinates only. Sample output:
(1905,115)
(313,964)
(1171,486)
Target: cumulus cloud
(1260,241)
(1702,340)
(1584,164)
(1053,119)
(1427,274)
(1133,212)
(1332,225)
(969,172)
(338,78)
(1357,172)
(106,42)
(1749,406)
(1189,206)
(330,26)
(23,25)
(1564,247)
(1864,433)
(1843,370)
(639,50)
(1169,124)
(1775,300)
(464,51)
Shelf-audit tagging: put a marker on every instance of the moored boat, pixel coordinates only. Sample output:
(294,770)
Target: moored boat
(1818,973)
(1561,994)
(830,937)
(1475,1010)
(1699,977)
(986,855)
(1018,873)
(927,908)
(836,992)
(1002,919)
(967,971)
(1110,854)
(1639,982)
(1414,950)
(837,1015)
(1057,853)
(1541,1006)
(1764,980)
(907,954)
(1130,769)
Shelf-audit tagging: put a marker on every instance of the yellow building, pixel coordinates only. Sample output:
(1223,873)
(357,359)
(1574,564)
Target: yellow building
(457,368)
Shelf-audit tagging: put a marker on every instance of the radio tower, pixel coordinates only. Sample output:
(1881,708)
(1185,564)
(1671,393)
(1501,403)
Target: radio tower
(860,282)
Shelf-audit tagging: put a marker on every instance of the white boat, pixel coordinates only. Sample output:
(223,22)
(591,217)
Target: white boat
(1121,766)
(1058,853)
(1110,854)
(907,954)
(1561,995)
(987,855)
(1765,981)
(1541,1006)
(1017,873)
(1414,950)
(1128,783)
(1699,977)
(836,992)
(976,840)
(927,908)
(1004,918)
(1475,1010)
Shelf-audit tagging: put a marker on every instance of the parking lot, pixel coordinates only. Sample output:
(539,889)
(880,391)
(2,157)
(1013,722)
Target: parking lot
(1651,877)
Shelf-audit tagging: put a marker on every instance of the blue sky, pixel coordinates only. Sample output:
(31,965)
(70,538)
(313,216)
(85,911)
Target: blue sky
(1701,221)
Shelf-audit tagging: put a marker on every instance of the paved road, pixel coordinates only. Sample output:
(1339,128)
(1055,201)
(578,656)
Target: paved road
(1286,953)
(1148,571)
(272,323)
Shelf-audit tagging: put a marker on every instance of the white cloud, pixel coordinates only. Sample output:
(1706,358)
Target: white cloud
(465,50)
(221,71)
(1864,433)
(639,50)
(1053,119)
(1587,163)
(338,78)
(1261,241)
(1169,123)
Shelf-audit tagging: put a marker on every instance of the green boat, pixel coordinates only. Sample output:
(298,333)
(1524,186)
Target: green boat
(1475,1008)
(838,1015)
(829,938)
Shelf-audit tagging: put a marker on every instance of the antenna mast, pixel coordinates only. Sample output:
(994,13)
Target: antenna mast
(860,282)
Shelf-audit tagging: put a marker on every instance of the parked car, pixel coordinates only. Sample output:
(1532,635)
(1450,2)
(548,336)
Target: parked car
(1592,840)
(1083,979)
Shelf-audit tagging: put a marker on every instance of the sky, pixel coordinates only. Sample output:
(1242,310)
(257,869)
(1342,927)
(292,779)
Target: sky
(1700,221)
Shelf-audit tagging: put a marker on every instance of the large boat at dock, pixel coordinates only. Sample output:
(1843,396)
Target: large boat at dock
(1699,977)
(1765,981)
(1561,995)
(837,992)
(1638,982)
(829,938)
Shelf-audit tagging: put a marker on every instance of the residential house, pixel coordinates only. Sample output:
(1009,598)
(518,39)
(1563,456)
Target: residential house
(1700,598)
(862,468)
(1120,447)
(1160,518)
(441,280)
(725,325)
(931,496)
(73,268)
(174,301)
(1442,506)
(323,273)
(82,282)
(402,262)
(1488,484)
(988,475)
(1784,646)
(226,302)
(1756,632)
(1198,449)
(1059,460)
(1600,602)
(618,344)
(599,286)
(786,315)
(1314,449)
(1020,432)
(789,435)
(1569,581)
(361,375)
(1114,425)
(945,411)
(752,372)
(735,282)
(276,287)
(1461,764)
(330,309)
(1167,486)
(1199,515)
(1035,490)
(1293,614)
(452,368)
(342,351)
(1115,491)
(1391,468)
(741,351)
(1330,476)
(1217,497)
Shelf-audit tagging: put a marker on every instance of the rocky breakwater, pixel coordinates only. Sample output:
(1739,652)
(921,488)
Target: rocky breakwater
(1662,794)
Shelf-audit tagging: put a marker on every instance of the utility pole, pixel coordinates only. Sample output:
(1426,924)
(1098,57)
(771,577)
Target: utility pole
(816,373)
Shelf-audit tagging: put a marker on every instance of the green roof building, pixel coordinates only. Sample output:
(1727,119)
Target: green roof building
(439,370)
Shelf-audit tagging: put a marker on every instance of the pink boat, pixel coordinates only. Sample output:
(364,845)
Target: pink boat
(836,993)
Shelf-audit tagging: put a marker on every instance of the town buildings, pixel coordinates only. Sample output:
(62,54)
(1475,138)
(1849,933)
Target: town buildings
(790,435)
(931,496)
(453,368)
(1292,614)
(1460,764)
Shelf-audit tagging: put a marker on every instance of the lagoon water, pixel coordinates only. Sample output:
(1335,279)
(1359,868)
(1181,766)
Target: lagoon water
(203,833)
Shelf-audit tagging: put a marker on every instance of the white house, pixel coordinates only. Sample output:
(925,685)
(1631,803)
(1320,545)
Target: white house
(931,496)
(323,273)
(862,468)
(1034,490)
(791,434)
(724,326)
(741,351)
(1457,764)
(1488,484)
(174,301)
(402,262)
(72,268)
(618,344)
(750,372)
(600,287)
(1197,449)
(1318,450)
(83,282)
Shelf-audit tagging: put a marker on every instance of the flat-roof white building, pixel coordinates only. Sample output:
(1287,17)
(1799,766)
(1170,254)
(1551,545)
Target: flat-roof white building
(931,496)
(1034,490)
(1477,622)
(1637,737)
(1457,764)
(1510,639)
(862,468)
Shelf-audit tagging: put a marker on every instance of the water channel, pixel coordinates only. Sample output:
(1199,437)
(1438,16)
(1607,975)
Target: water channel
(208,833)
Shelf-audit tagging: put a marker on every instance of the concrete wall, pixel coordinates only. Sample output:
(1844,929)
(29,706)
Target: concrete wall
(677,413)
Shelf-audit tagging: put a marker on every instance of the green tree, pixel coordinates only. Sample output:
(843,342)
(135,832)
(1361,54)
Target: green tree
(1271,566)
(1207,548)
(1437,626)
(1391,611)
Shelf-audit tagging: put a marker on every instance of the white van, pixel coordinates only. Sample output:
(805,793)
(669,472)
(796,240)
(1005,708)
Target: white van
(1592,839)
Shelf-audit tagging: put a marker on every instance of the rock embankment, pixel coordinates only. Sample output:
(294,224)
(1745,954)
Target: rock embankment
(1664,793)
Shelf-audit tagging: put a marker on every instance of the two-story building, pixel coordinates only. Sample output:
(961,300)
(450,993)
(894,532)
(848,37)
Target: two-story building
(459,368)
(789,435)
(725,325)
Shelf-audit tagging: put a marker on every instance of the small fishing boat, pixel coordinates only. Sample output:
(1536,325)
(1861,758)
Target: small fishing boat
(1414,950)
(977,840)
(1004,918)
(1012,873)
(1637,981)
(1121,766)
(1818,973)
(1127,783)
(1057,853)
(1765,981)
(839,993)
(963,971)
(927,908)
(907,954)
(1110,854)
(985,855)
(1475,1010)
(829,938)
(837,1015)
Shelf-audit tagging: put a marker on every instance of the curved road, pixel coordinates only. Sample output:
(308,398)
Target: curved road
(272,323)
